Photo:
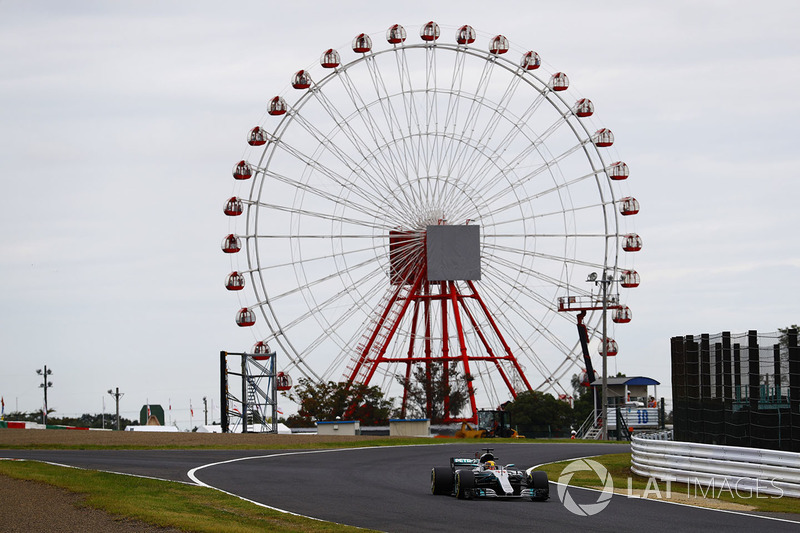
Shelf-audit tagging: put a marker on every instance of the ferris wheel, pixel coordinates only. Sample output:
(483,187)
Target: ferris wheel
(414,201)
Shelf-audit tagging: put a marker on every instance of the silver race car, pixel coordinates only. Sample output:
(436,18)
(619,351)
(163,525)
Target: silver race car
(483,477)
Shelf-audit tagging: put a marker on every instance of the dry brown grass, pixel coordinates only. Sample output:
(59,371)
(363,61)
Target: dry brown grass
(46,438)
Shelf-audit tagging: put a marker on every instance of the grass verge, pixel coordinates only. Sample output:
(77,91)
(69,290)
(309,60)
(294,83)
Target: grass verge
(265,445)
(628,483)
(166,504)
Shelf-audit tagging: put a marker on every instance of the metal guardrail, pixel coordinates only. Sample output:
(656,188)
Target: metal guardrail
(666,434)
(724,467)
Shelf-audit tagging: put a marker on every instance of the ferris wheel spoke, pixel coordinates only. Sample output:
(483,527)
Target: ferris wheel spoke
(503,261)
(520,339)
(331,332)
(540,255)
(286,344)
(346,344)
(557,283)
(431,109)
(332,329)
(361,188)
(567,364)
(520,124)
(535,144)
(318,258)
(413,123)
(469,165)
(318,281)
(343,123)
(389,163)
(328,333)
(513,133)
(365,177)
(303,236)
(565,235)
(522,312)
(389,184)
(543,302)
(476,98)
(322,216)
(366,207)
(501,288)
(526,178)
(460,148)
(393,124)
(559,214)
(454,99)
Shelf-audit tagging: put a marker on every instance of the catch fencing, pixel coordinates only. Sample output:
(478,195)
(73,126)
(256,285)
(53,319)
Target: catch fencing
(737,389)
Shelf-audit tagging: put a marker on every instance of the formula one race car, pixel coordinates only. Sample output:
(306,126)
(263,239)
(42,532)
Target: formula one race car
(482,477)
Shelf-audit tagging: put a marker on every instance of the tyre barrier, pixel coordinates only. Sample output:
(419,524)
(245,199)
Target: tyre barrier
(749,470)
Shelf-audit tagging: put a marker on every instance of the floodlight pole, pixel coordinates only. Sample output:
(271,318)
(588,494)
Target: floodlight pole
(44,385)
(605,281)
(116,396)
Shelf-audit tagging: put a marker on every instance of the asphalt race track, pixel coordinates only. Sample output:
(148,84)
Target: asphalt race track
(389,488)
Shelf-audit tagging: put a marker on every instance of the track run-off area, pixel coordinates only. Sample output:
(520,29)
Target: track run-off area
(388,488)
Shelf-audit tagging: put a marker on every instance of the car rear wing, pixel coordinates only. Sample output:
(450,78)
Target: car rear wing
(457,462)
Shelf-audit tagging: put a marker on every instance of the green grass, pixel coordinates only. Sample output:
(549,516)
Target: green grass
(164,503)
(619,466)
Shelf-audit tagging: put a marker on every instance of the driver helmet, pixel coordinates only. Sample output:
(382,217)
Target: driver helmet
(489,465)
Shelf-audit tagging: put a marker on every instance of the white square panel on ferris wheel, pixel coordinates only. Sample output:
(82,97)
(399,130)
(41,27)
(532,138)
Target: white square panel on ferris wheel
(453,252)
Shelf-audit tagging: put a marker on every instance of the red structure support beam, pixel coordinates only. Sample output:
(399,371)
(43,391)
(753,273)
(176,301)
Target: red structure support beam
(394,326)
(449,318)
(464,357)
(445,348)
(489,351)
(499,335)
(410,356)
(362,358)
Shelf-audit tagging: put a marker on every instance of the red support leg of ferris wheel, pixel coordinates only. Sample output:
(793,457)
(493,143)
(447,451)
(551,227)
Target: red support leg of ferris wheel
(412,285)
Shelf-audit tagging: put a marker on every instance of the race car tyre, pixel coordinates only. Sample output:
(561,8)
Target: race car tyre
(537,481)
(465,482)
(441,480)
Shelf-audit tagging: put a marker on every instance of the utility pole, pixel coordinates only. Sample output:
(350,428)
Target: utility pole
(205,408)
(116,396)
(45,385)
(605,282)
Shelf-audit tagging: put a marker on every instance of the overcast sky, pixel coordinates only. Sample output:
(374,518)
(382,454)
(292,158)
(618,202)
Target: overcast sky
(120,121)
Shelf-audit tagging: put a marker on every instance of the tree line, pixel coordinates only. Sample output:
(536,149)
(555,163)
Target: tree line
(534,413)
(86,420)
